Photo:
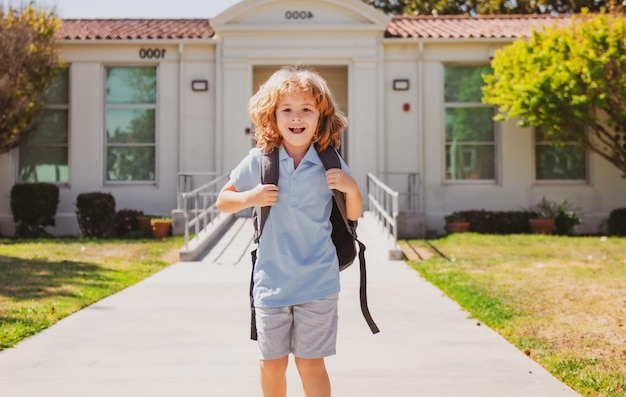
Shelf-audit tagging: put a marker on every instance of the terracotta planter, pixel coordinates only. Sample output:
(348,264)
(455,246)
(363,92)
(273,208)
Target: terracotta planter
(542,225)
(161,229)
(457,227)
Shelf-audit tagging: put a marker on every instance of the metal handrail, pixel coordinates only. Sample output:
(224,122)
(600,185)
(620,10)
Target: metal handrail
(408,190)
(384,204)
(199,206)
(185,183)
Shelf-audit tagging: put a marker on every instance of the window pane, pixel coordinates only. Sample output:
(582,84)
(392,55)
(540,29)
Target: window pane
(470,162)
(566,162)
(130,125)
(135,163)
(59,92)
(43,164)
(50,127)
(470,124)
(464,83)
(131,85)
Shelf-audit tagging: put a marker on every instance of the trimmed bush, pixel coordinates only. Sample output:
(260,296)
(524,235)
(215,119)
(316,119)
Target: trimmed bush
(496,222)
(34,206)
(96,214)
(617,222)
(126,222)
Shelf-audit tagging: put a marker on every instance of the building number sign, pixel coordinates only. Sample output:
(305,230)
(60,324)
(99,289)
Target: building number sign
(298,15)
(152,53)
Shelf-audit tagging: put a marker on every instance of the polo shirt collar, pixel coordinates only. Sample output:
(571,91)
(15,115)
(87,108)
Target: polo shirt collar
(311,155)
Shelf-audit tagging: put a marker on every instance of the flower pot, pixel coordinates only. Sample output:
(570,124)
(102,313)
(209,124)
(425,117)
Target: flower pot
(457,227)
(161,229)
(542,225)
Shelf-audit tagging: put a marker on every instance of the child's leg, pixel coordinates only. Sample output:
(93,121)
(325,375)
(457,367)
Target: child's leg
(274,326)
(273,379)
(315,337)
(314,377)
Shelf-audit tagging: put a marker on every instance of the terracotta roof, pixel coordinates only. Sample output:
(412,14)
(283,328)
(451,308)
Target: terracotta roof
(437,27)
(135,29)
(465,26)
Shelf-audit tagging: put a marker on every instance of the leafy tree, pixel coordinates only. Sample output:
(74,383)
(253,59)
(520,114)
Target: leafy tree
(28,63)
(565,79)
(476,7)
(394,7)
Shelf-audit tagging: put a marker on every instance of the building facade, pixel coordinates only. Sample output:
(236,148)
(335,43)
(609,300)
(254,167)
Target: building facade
(143,101)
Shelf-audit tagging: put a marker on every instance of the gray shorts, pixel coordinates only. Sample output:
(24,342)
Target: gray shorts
(308,330)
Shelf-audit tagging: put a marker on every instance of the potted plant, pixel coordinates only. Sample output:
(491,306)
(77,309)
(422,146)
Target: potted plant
(566,218)
(456,223)
(543,216)
(161,227)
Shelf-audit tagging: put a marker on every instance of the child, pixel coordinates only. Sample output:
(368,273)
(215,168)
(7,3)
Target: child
(296,276)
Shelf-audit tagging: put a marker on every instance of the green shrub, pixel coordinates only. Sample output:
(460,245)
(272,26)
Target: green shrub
(96,214)
(126,222)
(496,222)
(617,222)
(34,206)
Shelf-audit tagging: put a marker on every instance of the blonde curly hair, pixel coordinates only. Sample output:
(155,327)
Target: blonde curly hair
(287,80)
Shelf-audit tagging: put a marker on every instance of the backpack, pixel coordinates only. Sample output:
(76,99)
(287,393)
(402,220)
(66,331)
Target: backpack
(343,233)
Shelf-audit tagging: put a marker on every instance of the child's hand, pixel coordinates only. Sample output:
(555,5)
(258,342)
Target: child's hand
(264,195)
(336,178)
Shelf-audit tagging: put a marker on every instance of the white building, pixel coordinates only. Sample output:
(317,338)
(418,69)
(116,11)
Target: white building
(145,100)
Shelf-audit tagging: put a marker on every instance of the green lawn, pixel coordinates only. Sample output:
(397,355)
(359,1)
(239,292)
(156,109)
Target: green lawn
(42,281)
(561,300)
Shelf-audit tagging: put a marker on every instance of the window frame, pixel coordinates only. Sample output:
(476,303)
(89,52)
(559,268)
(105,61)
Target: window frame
(445,143)
(55,106)
(141,106)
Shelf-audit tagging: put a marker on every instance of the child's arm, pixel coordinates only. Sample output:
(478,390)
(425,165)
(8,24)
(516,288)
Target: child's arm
(231,200)
(340,180)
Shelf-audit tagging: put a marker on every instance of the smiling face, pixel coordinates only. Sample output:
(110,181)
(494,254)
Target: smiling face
(297,117)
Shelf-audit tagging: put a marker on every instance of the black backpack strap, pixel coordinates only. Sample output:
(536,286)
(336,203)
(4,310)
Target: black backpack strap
(330,159)
(253,334)
(268,165)
(363,291)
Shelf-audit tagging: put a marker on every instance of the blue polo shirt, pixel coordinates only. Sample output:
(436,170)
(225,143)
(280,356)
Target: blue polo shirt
(296,258)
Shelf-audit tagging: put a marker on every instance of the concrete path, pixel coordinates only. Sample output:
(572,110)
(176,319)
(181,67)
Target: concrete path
(184,332)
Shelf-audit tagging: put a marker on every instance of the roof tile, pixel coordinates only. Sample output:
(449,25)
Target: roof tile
(465,26)
(422,26)
(134,29)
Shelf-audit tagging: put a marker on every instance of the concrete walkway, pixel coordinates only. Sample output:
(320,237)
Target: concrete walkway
(184,332)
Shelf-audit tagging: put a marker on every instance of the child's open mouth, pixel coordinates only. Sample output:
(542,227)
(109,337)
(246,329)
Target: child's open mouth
(297,130)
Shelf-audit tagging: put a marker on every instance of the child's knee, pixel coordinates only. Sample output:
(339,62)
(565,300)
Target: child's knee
(310,366)
(275,366)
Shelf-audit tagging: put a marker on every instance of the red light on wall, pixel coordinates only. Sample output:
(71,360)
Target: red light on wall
(406,107)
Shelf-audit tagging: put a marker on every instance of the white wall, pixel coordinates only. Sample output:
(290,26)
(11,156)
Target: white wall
(198,139)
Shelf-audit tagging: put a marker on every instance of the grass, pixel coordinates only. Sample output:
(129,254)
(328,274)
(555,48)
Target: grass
(561,300)
(43,281)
